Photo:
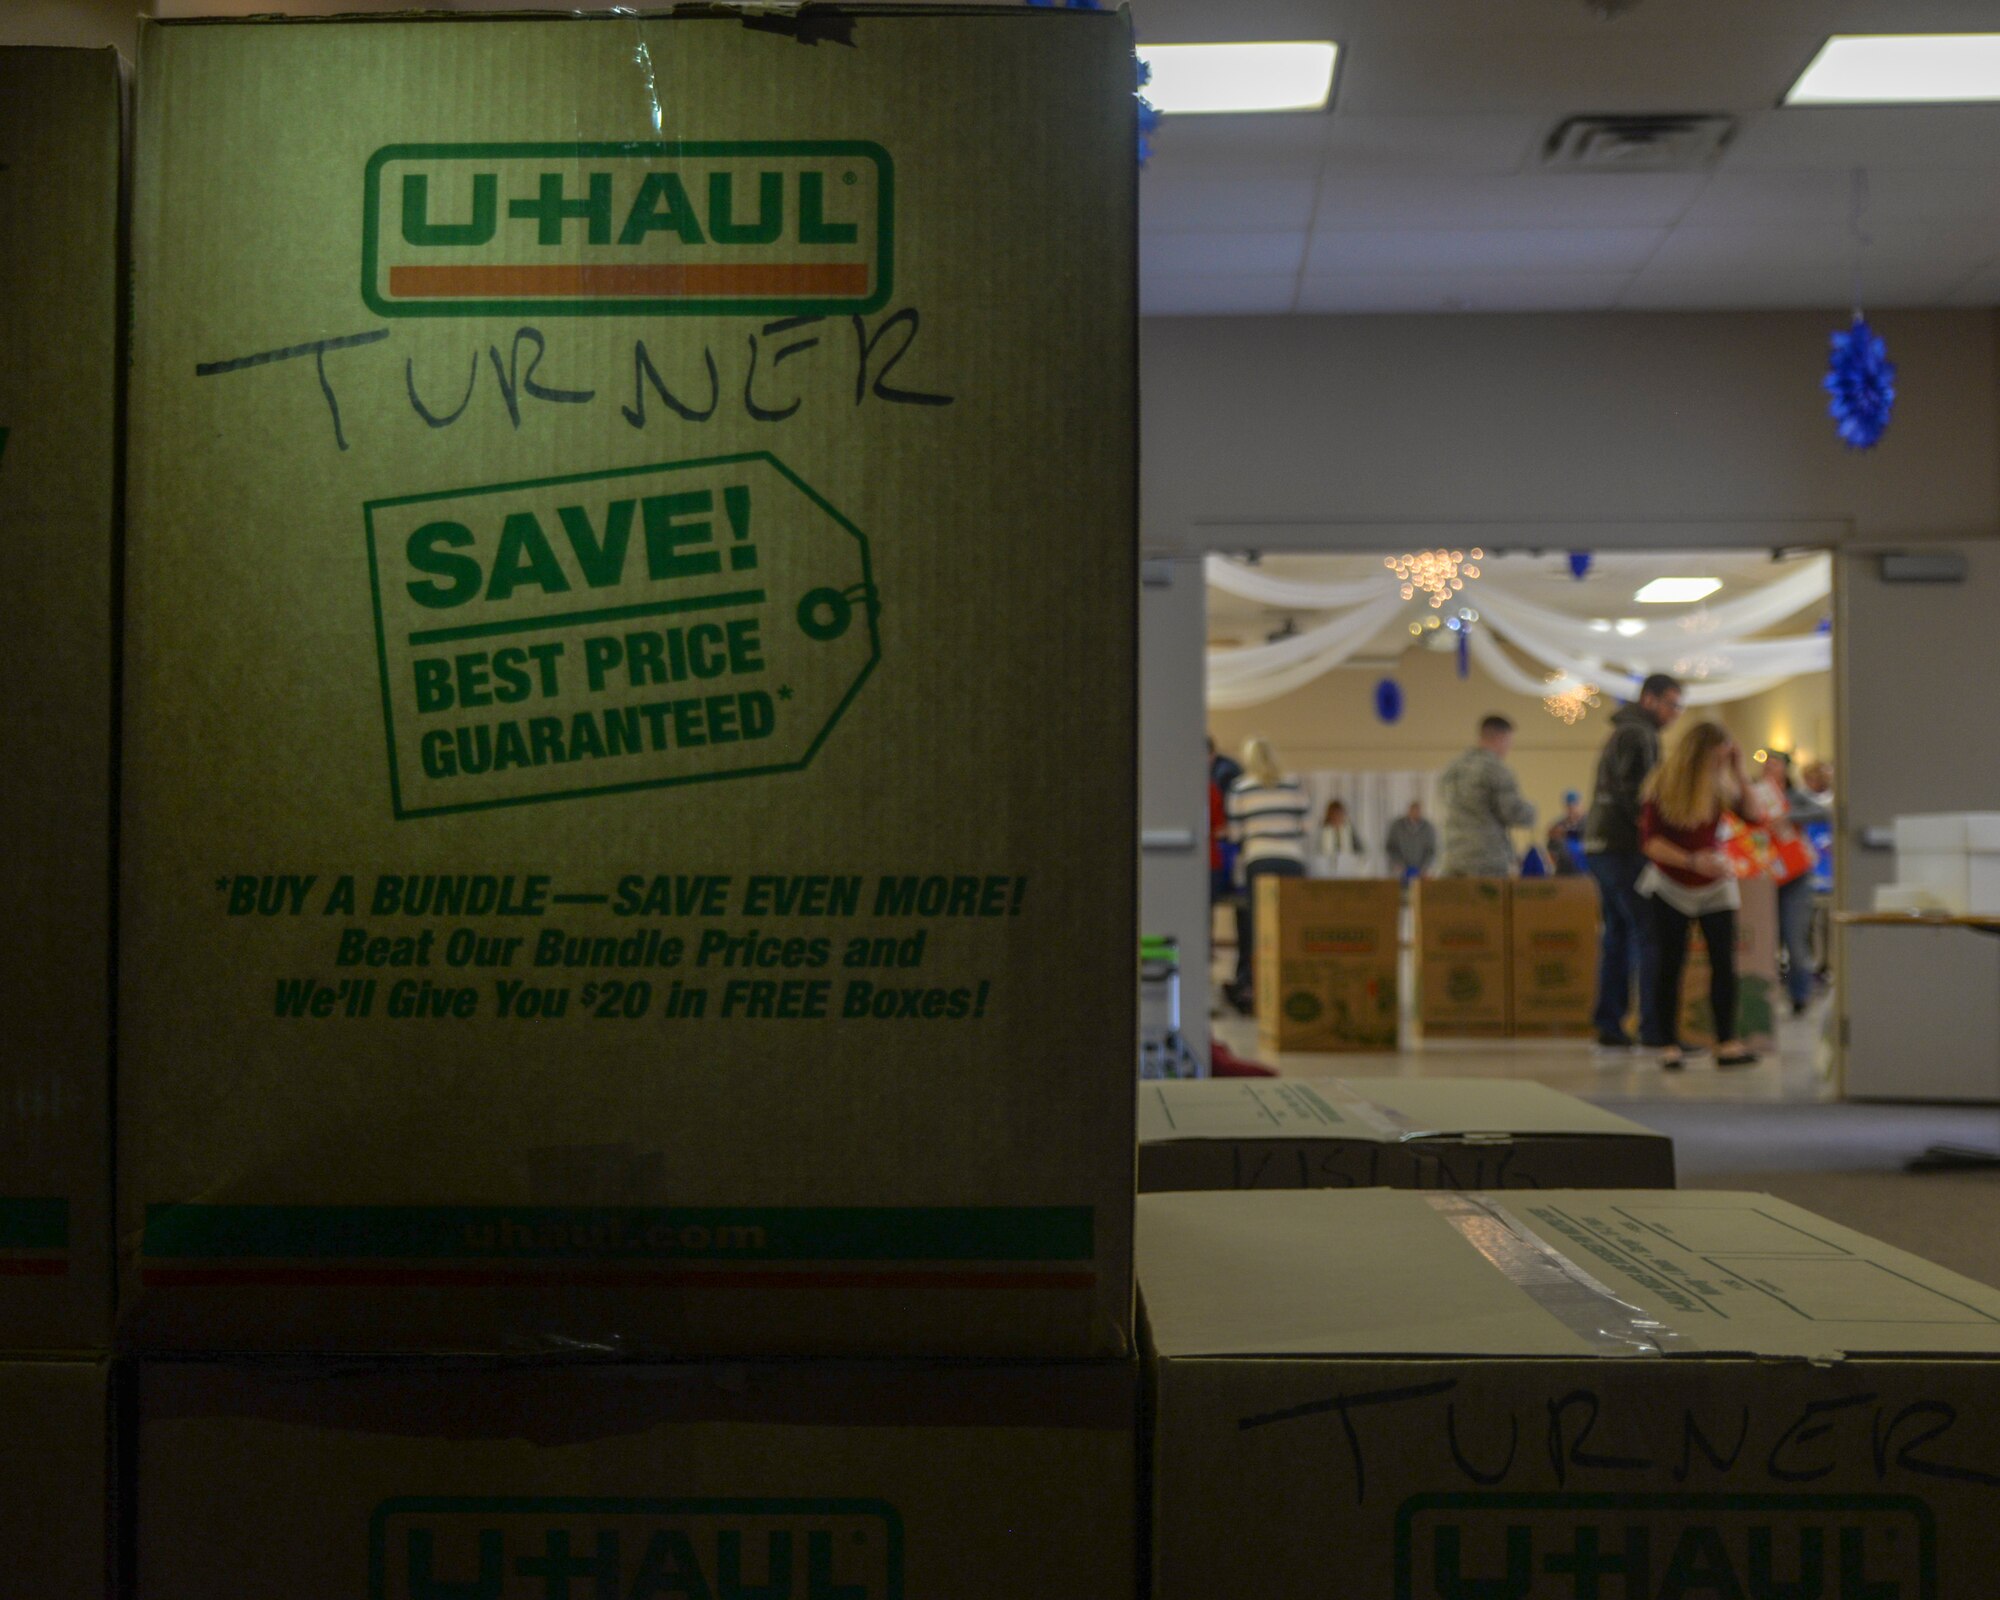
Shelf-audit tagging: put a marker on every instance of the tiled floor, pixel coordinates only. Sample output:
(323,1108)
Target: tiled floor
(1798,1070)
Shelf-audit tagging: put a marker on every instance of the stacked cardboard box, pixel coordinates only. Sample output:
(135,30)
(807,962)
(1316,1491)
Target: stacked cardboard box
(1462,957)
(604,860)
(1400,1133)
(1562,1394)
(1328,951)
(1553,940)
(61,142)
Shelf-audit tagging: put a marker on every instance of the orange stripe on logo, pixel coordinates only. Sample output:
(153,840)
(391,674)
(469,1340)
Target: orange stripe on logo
(621,280)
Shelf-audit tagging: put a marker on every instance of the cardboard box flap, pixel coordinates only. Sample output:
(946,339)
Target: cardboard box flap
(1562,1272)
(1387,1110)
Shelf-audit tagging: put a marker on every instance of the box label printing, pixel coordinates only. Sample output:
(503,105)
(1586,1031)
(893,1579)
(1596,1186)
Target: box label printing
(621,630)
(500,1548)
(673,228)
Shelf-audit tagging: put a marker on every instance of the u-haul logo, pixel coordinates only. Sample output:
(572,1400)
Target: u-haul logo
(1665,1547)
(775,228)
(543,1549)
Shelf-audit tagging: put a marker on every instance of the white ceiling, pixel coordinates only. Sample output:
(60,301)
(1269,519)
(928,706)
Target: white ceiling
(1605,591)
(1422,189)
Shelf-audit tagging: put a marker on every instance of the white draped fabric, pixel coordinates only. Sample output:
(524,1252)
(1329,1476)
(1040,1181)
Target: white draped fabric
(1710,650)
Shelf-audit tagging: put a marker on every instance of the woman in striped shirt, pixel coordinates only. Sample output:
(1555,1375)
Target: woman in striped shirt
(1267,819)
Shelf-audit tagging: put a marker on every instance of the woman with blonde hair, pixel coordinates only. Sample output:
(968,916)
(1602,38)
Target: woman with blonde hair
(1688,879)
(1267,818)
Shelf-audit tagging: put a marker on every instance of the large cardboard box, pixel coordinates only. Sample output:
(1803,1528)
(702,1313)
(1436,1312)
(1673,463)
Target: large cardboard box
(1399,1133)
(752,1482)
(1759,994)
(630,733)
(1327,958)
(61,137)
(1560,1395)
(1553,940)
(55,1464)
(1462,967)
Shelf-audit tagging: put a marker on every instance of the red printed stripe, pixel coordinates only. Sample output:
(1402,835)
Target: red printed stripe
(596,1277)
(619,280)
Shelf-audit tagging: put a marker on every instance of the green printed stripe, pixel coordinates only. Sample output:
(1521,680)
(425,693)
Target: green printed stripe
(620,1233)
(573,619)
(33,1223)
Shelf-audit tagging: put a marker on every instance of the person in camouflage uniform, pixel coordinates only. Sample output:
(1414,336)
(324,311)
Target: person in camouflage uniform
(1482,799)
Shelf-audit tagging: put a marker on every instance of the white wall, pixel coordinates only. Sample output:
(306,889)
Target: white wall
(1629,430)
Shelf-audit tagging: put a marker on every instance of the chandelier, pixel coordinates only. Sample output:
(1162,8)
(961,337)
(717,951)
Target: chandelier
(1569,705)
(1438,573)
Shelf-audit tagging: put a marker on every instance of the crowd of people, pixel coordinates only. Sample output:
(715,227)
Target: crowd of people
(1656,836)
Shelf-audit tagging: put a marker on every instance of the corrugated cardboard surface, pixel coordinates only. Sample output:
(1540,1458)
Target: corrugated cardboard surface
(55,1463)
(1462,960)
(773,378)
(60,142)
(1327,963)
(1553,934)
(1558,1395)
(1399,1133)
(854,1482)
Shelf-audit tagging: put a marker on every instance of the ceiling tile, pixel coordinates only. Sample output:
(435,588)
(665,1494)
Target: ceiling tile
(1361,144)
(1218,200)
(1401,291)
(1781,198)
(1183,294)
(1873,136)
(1459,251)
(1511,200)
(1777,285)
(1247,254)
(1979,288)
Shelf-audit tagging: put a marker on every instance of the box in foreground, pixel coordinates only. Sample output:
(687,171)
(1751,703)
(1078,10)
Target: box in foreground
(55,1464)
(778,1482)
(1560,1395)
(631,698)
(1398,1133)
(61,136)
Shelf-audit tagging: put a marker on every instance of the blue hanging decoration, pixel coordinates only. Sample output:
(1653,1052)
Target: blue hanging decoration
(1389,700)
(1824,625)
(1465,650)
(1579,564)
(1861,380)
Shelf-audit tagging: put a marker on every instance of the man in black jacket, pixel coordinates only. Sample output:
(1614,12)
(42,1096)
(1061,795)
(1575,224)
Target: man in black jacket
(1611,848)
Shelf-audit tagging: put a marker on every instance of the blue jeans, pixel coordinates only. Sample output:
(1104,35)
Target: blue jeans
(1795,913)
(1627,947)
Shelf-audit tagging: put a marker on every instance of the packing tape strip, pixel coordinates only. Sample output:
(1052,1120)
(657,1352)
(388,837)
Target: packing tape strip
(1390,1123)
(1588,1308)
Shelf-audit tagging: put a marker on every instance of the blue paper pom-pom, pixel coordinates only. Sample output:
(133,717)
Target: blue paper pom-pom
(1861,384)
(1579,564)
(1389,700)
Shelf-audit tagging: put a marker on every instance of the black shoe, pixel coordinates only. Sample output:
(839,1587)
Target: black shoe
(1798,1008)
(1614,1041)
(1737,1057)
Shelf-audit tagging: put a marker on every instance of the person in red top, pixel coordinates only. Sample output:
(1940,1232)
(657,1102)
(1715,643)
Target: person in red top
(1688,879)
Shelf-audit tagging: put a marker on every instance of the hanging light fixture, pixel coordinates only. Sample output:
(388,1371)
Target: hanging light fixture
(1568,706)
(1440,574)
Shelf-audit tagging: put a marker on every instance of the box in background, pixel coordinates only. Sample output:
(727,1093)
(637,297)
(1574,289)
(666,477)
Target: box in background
(1462,966)
(603,862)
(1398,1133)
(1553,931)
(1560,1394)
(61,278)
(1327,960)
(851,1481)
(1956,856)
(55,1461)
(1758,991)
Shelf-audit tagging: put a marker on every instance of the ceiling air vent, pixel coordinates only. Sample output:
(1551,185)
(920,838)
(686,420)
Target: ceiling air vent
(1674,141)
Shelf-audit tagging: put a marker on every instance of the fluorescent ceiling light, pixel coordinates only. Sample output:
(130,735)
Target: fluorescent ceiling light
(1900,69)
(1630,627)
(1191,78)
(1676,591)
(1600,624)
